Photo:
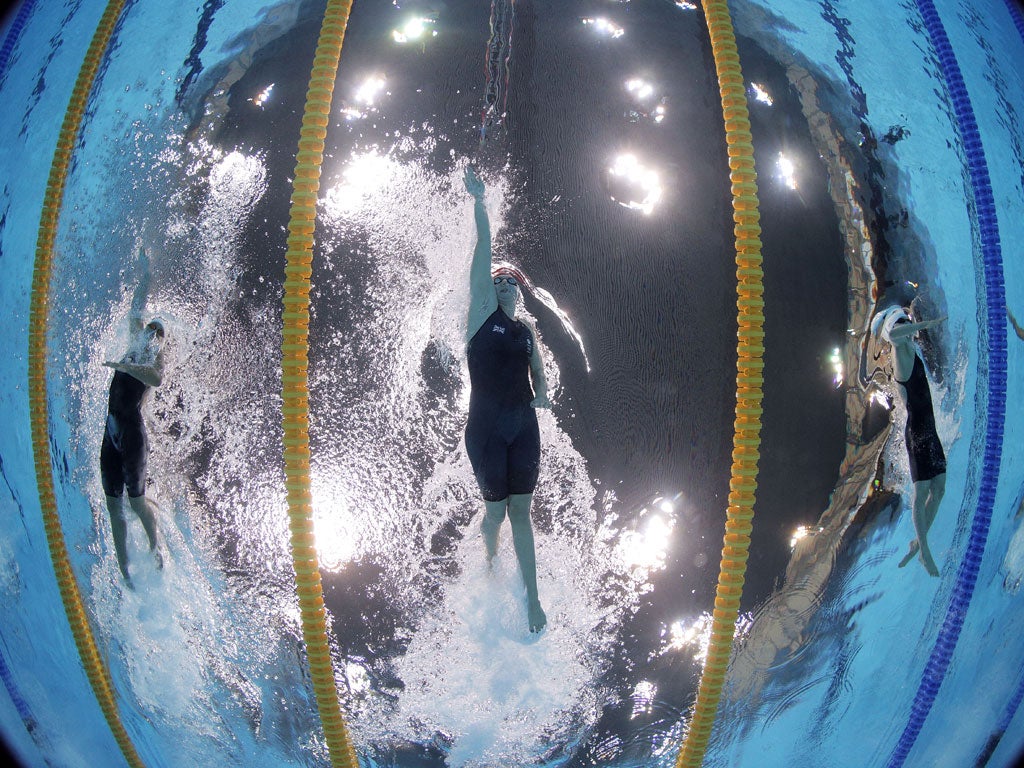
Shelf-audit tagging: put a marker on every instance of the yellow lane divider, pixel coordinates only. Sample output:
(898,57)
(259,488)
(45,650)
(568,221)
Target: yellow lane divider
(294,378)
(92,663)
(749,379)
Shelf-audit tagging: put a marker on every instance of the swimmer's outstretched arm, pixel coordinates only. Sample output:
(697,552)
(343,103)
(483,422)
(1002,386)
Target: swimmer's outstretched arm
(151,375)
(482,298)
(902,331)
(135,323)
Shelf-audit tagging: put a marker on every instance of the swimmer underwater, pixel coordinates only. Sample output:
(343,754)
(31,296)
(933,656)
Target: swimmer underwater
(125,445)
(927,459)
(507,383)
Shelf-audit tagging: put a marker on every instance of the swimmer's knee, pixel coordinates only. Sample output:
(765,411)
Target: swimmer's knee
(140,506)
(519,505)
(494,511)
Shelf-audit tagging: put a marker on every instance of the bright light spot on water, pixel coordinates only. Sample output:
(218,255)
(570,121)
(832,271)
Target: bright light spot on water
(261,98)
(350,113)
(641,89)
(369,89)
(880,399)
(358,679)
(643,697)
(760,94)
(335,542)
(666,506)
(659,113)
(414,29)
(646,548)
(634,185)
(363,176)
(787,171)
(802,532)
(605,27)
(686,6)
(695,636)
(836,361)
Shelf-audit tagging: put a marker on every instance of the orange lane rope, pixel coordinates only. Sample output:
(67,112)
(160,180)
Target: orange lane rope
(295,380)
(95,669)
(749,380)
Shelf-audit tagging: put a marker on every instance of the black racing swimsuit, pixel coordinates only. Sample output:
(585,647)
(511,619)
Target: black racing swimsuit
(502,437)
(927,459)
(124,449)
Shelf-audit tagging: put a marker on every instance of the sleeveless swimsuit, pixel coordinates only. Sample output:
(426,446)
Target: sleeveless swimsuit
(927,459)
(124,449)
(502,437)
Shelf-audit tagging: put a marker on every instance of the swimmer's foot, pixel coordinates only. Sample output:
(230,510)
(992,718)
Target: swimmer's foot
(911,553)
(158,558)
(538,619)
(490,544)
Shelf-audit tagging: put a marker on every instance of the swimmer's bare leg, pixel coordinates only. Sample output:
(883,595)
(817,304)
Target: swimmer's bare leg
(119,529)
(143,507)
(522,540)
(494,515)
(922,522)
(911,553)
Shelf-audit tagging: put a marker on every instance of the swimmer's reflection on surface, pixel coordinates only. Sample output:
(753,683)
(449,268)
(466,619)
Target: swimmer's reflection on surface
(507,383)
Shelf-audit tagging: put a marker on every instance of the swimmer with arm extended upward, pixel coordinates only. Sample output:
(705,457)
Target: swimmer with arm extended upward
(927,459)
(507,383)
(125,446)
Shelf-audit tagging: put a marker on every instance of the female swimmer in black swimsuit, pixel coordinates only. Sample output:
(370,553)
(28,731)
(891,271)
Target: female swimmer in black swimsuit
(927,459)
(125,447)
(507,382)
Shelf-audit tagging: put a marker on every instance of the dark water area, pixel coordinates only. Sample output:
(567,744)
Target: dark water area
(653,296)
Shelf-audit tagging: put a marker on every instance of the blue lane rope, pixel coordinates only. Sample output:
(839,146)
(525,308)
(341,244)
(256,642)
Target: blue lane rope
(995,295)
(24,711)
(1016,15)
(14,34)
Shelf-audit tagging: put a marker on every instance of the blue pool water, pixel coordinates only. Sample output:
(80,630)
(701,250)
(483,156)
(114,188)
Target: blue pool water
(891,167)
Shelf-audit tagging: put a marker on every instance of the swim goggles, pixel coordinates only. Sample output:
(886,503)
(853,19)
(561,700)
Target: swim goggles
(507,279)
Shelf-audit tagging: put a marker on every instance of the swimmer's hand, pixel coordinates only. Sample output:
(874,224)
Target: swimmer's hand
(540,401)
(474,185)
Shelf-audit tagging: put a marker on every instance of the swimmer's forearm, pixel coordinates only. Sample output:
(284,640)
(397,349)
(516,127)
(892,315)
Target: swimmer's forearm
(903,330)
(147,374)
(483,222)
(538,379)
(142,287)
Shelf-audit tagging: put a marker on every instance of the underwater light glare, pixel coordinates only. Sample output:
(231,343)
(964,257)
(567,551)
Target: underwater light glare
(605,27)
(787,171)
(760,94)
(414,29)
(642,184)
(369,89)
(263,96)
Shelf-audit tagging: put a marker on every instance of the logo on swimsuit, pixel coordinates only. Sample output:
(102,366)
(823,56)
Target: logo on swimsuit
(498,329)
